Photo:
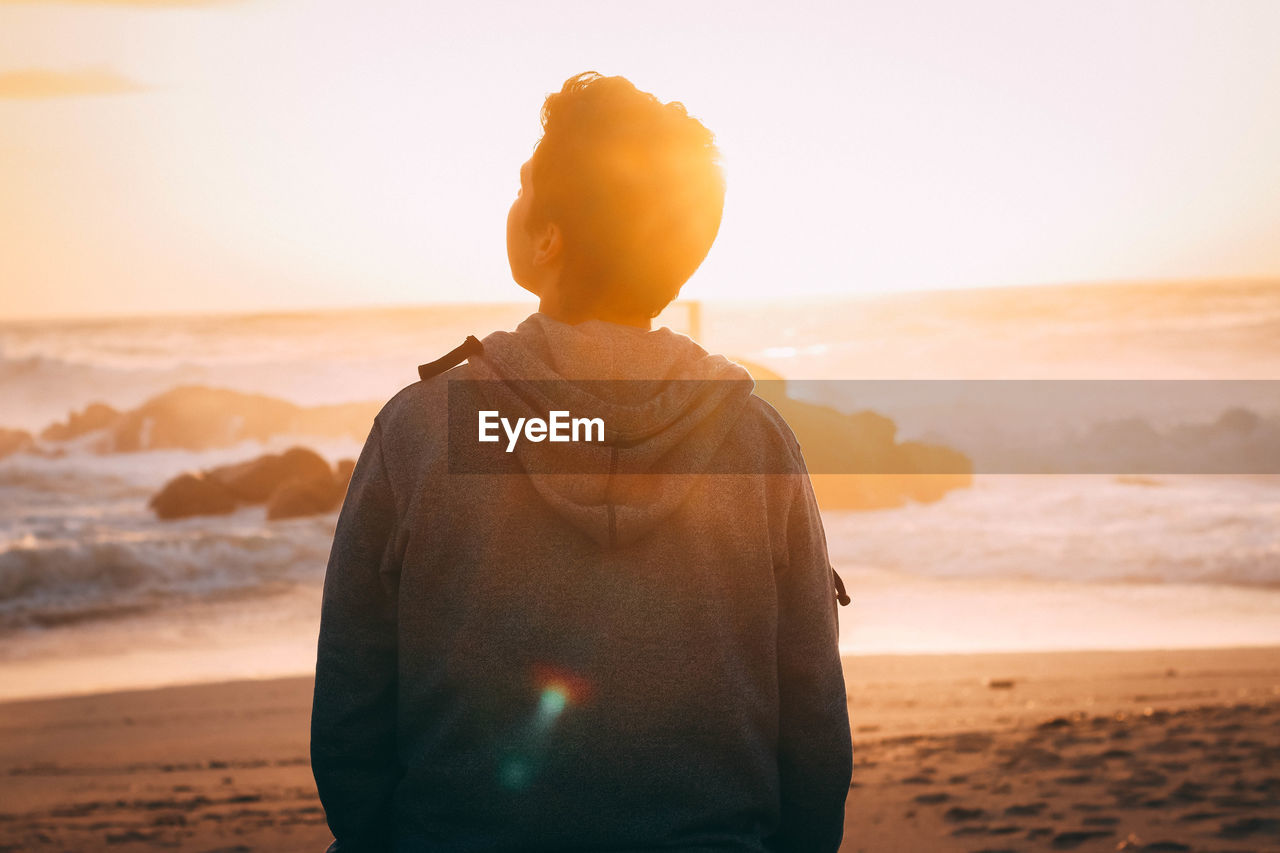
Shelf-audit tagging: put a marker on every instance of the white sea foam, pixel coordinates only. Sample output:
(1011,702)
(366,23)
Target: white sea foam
(77,540)
(104,572)
(1098,529)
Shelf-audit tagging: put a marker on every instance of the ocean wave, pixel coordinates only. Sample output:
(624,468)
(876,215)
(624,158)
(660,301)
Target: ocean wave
(83,478)
(1192,529)
(46,585)
(41,389)
(308,358)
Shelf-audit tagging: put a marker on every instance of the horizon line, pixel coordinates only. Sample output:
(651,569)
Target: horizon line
(815,298)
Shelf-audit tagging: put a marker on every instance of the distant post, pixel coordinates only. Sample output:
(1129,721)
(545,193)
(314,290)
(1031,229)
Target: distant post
(695,319)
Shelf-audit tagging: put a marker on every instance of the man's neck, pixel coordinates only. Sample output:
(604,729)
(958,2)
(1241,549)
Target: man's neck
(556,311)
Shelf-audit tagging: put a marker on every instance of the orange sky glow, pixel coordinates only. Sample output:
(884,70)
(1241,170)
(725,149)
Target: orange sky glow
(275,154)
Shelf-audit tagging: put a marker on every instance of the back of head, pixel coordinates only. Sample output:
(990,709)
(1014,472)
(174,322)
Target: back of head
(636,188)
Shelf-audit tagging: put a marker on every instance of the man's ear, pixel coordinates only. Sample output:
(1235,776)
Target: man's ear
(548,245)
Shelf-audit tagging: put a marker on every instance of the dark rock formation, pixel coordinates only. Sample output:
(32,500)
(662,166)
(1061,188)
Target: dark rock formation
(855,460)
(343,471)
(305,497)
(14,441)
(256,480)
(295,483)
(193,417)
(192,494)
(200,418)
(96,416)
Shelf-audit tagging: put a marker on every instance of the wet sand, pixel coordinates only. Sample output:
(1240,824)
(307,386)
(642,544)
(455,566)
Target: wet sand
(1158,751)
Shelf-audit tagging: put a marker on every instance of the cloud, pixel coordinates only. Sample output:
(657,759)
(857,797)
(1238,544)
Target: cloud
(42,83)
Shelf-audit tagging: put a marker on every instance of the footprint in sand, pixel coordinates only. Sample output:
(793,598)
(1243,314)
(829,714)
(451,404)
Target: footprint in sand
(1078,779)
(1005,829)
(1101,820)
(975,829)
(1190,792)
(1074,838)
(1026,809)
(1249,827)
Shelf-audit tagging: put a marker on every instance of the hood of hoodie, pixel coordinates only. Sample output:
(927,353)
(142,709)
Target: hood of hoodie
(666,403)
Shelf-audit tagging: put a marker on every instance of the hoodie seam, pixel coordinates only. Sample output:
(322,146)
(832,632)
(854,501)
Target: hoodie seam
(382,469)
(610,509)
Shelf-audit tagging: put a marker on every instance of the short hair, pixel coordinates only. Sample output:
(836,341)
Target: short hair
(635,186)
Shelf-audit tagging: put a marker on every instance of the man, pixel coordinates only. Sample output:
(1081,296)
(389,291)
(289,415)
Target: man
(626,641)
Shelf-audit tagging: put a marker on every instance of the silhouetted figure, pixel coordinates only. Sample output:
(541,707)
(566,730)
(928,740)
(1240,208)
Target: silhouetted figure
(582,645)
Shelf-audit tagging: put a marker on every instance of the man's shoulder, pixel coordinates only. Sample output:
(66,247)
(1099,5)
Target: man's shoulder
(769,418)
(764,429)
(418,411)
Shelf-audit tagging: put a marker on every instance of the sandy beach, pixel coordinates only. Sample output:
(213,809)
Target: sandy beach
(1158,751)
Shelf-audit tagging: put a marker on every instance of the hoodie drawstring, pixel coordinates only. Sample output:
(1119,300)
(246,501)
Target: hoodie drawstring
(841,595)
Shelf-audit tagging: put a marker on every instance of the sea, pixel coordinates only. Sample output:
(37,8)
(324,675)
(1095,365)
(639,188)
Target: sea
(96,593)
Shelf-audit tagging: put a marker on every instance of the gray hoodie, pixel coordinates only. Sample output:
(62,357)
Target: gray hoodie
(626,645)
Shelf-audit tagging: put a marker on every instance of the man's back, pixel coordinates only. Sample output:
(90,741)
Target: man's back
(626,657)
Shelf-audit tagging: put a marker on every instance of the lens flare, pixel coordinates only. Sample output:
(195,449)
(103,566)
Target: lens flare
(558,692)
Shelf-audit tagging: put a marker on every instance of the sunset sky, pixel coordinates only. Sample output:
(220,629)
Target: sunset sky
(266,154)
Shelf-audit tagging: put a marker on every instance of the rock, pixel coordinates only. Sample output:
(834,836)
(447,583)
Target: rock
(194,417)
(1238,420)
(14,441)
(252,481)
(96,416)
(855,460)
(258,479)
(192,494)
(294,483)
(302,463)
(343,471)
(198,418)
(933,470)
(302,497)
(311,488)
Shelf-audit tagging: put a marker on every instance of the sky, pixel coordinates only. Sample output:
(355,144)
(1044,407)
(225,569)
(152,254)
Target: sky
(162,156)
